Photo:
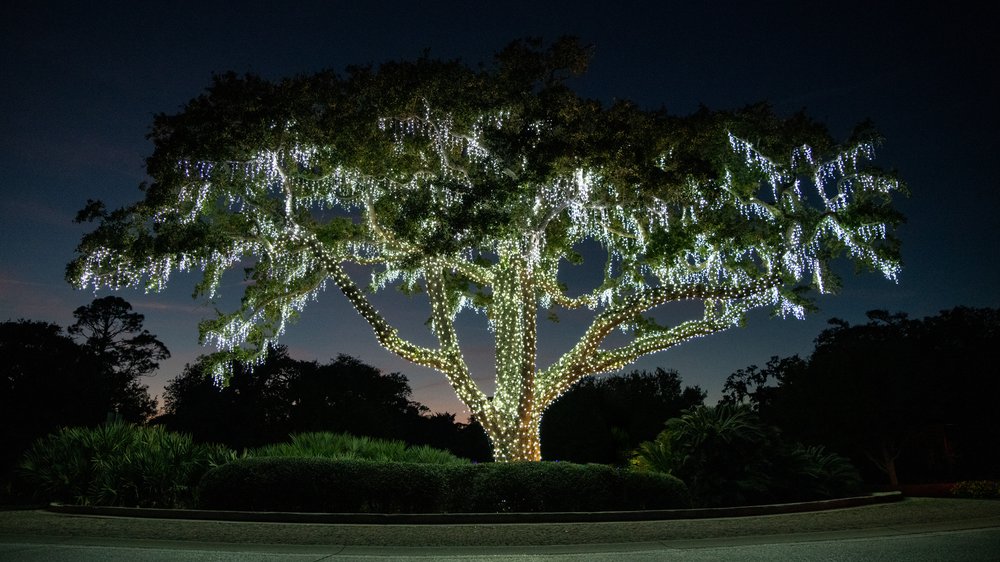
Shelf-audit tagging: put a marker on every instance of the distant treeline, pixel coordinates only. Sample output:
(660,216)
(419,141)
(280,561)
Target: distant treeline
(910,400)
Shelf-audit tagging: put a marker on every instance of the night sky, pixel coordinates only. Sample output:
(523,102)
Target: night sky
(82,81)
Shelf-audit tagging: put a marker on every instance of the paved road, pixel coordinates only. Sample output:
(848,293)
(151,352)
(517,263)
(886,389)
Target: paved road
(970,545)
(915,529)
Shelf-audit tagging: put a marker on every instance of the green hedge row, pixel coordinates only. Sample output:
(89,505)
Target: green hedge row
(355,486)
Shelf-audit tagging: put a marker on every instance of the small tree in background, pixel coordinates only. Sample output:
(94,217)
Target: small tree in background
(50,380)
(249,412)
(110,332)
(478,187)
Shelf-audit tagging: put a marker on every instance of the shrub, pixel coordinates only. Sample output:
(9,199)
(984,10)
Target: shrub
(721,453)
(316,484)
(558,486)
(540,486)
(655,456)
(977,489)
(652,490)
(328,485)
(728,456)
(347,447)
(118,464)
(820,473)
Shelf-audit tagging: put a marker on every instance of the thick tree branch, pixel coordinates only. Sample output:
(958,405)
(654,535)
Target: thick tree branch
(403,251)
(386,335)
(610,360)
(443,326)
(579,361)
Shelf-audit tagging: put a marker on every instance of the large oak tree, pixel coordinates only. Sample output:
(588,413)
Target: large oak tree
(475,186)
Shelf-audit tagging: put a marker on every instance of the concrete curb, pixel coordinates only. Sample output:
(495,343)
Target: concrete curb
(474,518)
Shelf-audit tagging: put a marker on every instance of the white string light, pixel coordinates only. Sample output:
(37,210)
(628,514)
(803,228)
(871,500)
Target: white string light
(271,200)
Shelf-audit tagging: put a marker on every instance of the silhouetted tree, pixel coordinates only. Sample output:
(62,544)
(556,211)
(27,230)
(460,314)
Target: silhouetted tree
(759,388)
(113,334)
(283,395)
(351,396)
(46,381)
(254,409)
(915,398)
(603,419)
(960,348)
(863,388)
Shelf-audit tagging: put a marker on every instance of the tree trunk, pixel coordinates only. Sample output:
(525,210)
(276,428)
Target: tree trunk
(890,467)
(514,439)
(514,418)
(885,459)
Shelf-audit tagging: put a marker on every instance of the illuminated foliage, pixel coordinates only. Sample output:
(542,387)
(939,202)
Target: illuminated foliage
(474,186)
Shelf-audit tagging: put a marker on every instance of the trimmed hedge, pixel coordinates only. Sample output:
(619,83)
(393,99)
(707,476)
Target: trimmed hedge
(321,485)
(355,486)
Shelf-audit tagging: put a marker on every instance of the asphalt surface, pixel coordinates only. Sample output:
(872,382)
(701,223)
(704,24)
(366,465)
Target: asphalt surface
(912,529)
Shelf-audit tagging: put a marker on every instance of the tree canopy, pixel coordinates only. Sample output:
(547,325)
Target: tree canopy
(475,186)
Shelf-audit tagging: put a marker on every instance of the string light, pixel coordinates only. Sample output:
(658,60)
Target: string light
(268,208)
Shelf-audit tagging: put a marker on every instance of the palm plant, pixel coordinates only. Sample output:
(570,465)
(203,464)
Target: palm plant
(720,452)
(118,464)
(727,456)
(826,473)
(655,456)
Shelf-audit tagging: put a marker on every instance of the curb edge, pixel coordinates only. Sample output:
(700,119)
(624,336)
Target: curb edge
(473,518)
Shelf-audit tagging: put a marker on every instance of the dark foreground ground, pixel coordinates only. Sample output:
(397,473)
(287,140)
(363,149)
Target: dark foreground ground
(909,516)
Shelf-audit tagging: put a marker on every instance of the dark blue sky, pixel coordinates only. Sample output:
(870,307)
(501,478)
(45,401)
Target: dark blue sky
(80,84)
